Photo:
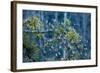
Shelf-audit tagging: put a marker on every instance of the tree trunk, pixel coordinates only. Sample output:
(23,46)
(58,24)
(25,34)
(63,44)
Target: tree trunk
(64,50)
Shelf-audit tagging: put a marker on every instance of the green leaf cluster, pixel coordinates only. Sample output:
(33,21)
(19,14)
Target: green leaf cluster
(34,23)
(28,44)
(73,36)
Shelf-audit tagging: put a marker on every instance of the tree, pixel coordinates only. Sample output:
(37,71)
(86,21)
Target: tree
(74,40)
(33,50)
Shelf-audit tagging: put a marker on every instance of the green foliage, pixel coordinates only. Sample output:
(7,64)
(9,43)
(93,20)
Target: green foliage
(36,53)
(74,39)
(59,30)
(39,35)
(34,23)
(62,29)
(73,36)
(26,40)
(67,22)
(71,33)
(31,45)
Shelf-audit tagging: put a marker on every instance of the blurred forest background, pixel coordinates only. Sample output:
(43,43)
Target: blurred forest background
(56,36)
